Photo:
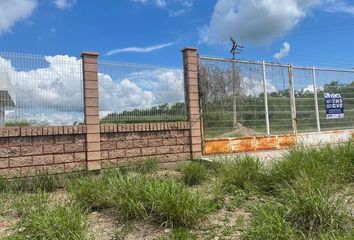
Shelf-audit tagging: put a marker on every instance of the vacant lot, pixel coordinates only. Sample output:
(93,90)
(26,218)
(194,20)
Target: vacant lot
(306,195)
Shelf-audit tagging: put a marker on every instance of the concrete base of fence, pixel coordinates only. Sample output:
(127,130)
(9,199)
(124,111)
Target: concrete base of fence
(259,143)
(27,151)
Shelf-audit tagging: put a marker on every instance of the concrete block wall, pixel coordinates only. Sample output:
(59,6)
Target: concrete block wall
(165,142)
(26,151)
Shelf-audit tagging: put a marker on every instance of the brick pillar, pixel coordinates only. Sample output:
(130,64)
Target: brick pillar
(190,63)
(92,121)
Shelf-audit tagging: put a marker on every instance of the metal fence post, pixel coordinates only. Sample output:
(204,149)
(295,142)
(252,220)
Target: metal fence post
(265,97)
(292,100)
(316,99)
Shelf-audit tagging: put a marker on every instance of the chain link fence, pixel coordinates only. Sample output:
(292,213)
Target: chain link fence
(248,98)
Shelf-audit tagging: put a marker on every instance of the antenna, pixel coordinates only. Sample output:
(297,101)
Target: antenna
(236,48)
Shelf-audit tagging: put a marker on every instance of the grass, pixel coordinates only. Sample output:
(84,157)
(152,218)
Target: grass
(57,222)
(269,223)
(241,173)
(313,209)
(136,196)
(179,234)
(327,165)
(194,173)
(300,197)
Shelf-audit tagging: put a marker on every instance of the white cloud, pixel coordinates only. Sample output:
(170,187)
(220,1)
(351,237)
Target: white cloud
(284,51)
(64,4)
(254,20)
(53,94)
(13,11)
(262,21)
(339,6)
(177,13)
(139,49)
(161,3)
(175,7)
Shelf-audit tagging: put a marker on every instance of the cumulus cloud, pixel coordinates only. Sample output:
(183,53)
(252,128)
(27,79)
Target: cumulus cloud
(255,20)
(64,4)
(262,21)
(53,94)
(13,11)
(284,51)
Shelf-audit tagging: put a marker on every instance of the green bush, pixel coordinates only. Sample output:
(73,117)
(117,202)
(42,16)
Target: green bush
(194,173)
(2,184)
(63,222)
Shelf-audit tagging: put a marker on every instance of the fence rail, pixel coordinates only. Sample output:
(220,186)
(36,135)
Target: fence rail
(271,98)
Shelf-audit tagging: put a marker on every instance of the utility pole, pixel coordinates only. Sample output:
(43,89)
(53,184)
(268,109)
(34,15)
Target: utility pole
(234,50)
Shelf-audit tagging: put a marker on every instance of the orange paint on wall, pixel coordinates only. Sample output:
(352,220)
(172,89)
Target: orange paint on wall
(266,143)
(286,141)
(242,145)
(216,146)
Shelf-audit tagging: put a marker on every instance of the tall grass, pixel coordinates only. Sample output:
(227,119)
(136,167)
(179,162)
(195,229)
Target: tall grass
(193,173)
(313,209)
(62,222)
(328,165)
(136,196)
(269,223)
(90,192)
(308,206)
(40,182)
(241,174)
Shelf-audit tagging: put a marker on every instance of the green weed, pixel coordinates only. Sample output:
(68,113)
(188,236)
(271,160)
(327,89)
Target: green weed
(241,173)
(62,222)
(194,173)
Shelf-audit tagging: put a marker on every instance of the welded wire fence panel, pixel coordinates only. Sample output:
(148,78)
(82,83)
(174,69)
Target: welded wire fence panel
(136,93)
(40,90)
(278,92)
(337,82)
(305,100)
(232,98)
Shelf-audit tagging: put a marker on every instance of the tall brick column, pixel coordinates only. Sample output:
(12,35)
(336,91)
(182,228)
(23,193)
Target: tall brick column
(92,121)
(190,63)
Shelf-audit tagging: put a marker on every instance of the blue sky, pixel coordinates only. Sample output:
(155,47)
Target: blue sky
(317,32)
